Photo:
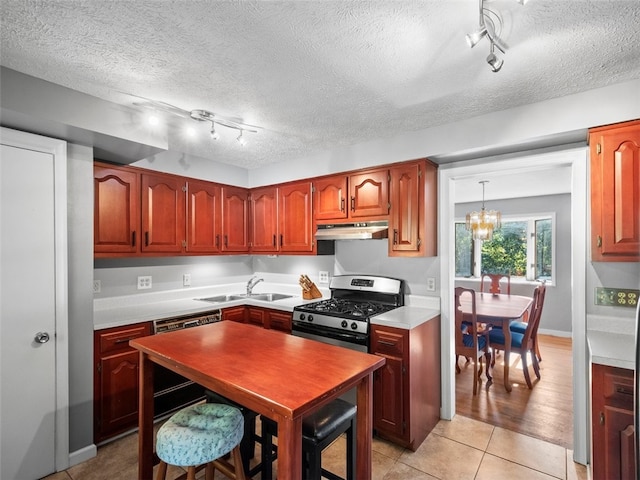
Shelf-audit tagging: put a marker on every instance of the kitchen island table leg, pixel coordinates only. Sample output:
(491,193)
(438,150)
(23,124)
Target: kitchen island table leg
(289,448)
(145,419)
(364,428)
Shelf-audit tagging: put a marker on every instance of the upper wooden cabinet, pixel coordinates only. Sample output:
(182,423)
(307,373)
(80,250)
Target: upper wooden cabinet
(204,217)
(264,220)
(163,213)
(358,196)
(295,210)
(235,219)
(413,212)
(615,192)
(116,221)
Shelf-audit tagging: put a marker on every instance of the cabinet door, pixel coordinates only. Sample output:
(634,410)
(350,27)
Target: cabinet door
(118,379)
(256,316)
(116,220)
(264,219)
(163,213)
(279,321)
(296,218)
(235,314)
(235,219)
(204,208)
(369,194)
(330,202)
(404,222)
(615,192)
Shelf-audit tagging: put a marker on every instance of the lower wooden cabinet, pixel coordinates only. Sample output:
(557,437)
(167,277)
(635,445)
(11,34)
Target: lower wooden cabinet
(612,423)
(116,380)
(406,390)
(262,317)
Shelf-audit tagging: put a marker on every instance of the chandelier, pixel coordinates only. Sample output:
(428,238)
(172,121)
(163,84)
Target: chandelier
(483,223)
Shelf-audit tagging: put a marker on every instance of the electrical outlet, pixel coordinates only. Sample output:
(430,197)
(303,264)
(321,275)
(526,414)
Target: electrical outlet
(431,284)
(323,277)
(97,286)
(144,282)
(186,280)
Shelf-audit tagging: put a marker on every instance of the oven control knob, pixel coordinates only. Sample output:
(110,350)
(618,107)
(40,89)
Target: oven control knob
(310,318)
(354,326)
(344,324)
(302,316)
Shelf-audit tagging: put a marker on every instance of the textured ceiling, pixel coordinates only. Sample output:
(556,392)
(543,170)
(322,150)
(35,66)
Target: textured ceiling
(318,74)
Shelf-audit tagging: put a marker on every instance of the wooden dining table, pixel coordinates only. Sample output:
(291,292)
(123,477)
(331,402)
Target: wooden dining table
(272,373)
(498,310)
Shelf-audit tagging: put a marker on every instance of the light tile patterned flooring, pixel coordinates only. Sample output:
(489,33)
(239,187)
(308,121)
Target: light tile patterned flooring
(460,449)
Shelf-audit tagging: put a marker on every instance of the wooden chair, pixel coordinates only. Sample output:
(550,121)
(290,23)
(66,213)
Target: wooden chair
(495,279)
(523,343)
(519,326)
(469,342)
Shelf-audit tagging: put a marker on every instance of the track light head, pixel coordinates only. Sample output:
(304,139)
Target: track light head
(494,62)
(214,133)
(475,37)
(241,140)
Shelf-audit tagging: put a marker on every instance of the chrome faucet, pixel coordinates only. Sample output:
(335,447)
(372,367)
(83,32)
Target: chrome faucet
(252,283)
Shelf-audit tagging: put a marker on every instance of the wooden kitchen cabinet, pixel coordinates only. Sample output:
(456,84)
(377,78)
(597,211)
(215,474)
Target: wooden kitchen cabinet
(264,220)
(116,380)
(163,213)
(406,390)
(295,217)
(264,317)
(279,320)
(330,198)
(615,192)
(612,423)
(235,219)
(116,210)
(235,314)
(256,316)
(369,194)
(204,212)
(413,212)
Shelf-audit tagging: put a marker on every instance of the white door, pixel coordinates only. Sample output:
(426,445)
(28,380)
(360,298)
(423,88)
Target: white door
(27,314)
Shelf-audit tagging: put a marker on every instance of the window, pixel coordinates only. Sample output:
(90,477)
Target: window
(522,247)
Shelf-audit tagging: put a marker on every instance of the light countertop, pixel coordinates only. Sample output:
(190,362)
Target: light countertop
(612,342)
(130,309)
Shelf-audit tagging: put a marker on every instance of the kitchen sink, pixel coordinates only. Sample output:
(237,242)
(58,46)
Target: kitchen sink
(264,297)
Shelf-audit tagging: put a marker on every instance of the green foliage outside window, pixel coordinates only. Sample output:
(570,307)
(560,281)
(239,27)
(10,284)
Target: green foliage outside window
(507,251)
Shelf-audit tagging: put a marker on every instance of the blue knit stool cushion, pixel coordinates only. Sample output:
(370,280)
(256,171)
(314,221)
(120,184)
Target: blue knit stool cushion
(199,434)
(496,337)
(518,327)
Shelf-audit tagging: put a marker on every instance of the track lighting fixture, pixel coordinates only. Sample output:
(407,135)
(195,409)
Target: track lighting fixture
(490,26)
(214,134)
(241,140)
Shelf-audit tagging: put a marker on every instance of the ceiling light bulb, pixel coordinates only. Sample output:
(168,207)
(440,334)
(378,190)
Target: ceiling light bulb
(153,120)
(475,37)
(241,140)
(214,134)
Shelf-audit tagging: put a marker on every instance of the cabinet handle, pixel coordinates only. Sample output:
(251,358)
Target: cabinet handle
(353,204)
(395,236)
(124,340)
(146,239)
(387,342)
(133,238)
(599,241)
(601,418)
(218,241)
(226,241)
(281,238)
(624,390)
(274,240)
(342,204)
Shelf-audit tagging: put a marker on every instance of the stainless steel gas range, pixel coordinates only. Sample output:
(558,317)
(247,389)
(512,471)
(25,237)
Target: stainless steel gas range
(344,318)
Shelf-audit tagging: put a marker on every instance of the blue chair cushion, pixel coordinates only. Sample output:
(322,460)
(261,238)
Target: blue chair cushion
(497,337)
(518,327)
(199,434)
(467,339)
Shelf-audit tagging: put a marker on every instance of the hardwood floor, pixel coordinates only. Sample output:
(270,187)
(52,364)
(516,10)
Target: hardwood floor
(545,412)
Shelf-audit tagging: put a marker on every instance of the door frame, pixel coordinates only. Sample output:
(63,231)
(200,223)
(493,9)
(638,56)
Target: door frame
(58,149)
(577,158)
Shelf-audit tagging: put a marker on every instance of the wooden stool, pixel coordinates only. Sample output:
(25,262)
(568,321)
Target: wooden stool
(202,434)
(319,430)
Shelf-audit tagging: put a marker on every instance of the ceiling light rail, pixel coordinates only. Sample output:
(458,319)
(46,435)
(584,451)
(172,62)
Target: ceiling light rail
(489,26)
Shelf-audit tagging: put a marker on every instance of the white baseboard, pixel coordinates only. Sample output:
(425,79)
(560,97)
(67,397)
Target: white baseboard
(555,333)
(82,455)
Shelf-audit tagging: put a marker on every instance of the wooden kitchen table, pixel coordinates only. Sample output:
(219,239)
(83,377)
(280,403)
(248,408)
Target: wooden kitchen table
(272,373)
(499,310)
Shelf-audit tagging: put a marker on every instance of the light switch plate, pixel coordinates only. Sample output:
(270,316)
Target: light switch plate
(186,280)
(617,297)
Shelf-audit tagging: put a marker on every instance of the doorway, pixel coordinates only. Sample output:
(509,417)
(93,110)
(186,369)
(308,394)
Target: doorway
(577,159)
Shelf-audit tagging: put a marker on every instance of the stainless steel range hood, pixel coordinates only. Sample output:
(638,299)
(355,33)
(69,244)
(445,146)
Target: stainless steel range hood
(353,231)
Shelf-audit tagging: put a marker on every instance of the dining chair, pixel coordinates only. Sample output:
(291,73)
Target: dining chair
(471,342)
(519,326)
(495,279)
(523,343)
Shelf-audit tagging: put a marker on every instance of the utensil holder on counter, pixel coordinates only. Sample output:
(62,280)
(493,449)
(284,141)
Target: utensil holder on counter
(309,289)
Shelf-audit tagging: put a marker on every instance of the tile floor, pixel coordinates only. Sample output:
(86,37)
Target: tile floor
(460,449)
